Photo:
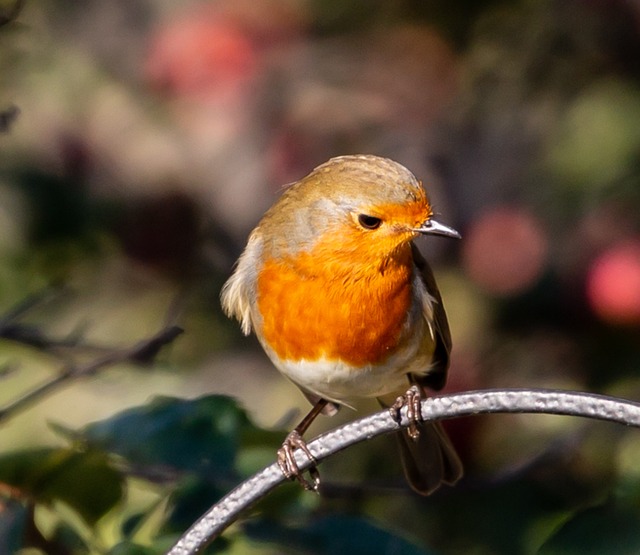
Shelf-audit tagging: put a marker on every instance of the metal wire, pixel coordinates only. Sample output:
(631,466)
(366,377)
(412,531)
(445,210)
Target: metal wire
(547,401)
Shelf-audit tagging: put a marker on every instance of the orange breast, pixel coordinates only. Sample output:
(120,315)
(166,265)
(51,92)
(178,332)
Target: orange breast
(309,310)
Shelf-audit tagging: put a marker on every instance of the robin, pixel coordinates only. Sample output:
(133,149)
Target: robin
(345,306)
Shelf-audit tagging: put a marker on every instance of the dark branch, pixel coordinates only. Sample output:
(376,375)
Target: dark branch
(142,353)
(31,301)
(227,510)
(12,329)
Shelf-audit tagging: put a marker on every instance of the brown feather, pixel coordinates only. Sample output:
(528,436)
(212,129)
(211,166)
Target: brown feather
(437,376)
(431,460)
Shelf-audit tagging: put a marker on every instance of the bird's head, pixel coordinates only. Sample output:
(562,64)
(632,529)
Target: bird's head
(362,205)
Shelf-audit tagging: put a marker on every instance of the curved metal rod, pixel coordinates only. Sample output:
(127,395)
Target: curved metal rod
(547,401)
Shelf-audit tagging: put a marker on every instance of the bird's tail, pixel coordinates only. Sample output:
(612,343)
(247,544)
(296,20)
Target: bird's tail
(430,460)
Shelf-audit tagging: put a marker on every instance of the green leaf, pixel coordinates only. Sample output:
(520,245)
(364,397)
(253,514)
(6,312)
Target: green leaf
(67,536)
(200,435)
(608,528)
(333,534)
(84,480)
(188,502)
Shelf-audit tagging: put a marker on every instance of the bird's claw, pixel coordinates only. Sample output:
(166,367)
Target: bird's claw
(289,466)
(412,399)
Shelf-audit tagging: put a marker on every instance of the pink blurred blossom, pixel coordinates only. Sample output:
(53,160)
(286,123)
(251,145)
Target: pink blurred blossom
(214,51)
(201,54)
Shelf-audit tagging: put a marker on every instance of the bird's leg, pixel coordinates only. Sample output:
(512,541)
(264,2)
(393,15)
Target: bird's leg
(293,441)
(412,400)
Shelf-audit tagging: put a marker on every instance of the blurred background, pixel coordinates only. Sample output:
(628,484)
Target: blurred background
(141,141)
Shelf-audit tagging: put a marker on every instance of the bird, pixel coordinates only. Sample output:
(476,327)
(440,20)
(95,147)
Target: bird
(345,306)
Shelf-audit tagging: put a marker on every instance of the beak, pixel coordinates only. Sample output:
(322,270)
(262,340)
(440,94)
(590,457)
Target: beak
(432,227)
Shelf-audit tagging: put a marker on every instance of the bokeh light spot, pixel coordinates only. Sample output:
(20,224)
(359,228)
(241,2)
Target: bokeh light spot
(613,284)
(505,251)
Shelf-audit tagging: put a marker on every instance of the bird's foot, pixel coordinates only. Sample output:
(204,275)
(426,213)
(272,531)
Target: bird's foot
(412,400)
(289,466)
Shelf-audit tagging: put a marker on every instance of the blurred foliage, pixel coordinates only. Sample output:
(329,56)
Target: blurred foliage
(140,142)
(187,450)
(85,481)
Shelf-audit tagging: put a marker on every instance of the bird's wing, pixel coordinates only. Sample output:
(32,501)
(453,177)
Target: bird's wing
(437,375)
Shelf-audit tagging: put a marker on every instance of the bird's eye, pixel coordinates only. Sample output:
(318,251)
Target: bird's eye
(369,222)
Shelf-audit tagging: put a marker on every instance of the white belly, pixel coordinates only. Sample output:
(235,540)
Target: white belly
(340,382)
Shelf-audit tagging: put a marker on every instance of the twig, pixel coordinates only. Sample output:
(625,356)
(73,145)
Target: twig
(12,329)
(33,336)
(31,301)
(571,403)
(141,353)
(27,334)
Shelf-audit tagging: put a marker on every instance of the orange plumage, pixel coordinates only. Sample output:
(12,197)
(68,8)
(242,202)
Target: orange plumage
(318,316)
